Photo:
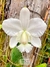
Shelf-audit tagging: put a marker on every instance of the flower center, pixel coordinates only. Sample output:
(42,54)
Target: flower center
(24,37)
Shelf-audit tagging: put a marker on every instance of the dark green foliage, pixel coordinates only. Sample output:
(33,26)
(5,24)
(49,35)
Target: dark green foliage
(8,65)
(16,56)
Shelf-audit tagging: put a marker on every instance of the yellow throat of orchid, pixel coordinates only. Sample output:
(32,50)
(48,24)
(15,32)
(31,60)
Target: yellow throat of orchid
(24,38)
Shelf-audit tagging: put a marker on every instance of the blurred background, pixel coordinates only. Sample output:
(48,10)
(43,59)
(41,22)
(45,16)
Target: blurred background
(38,8)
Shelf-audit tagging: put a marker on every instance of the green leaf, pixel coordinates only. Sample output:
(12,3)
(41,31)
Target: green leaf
(48,40)
(49,35)
(8,65)
(47,47)
(5,58)
(17,66)
(16,56)
(42,65)
(0,26)
(13,66)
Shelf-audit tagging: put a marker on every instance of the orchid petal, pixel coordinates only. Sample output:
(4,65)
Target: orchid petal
(35,41)
(37,27)
(24,17)
(13,42)
(11,26)
(21,47)
(25,48)
(28,48)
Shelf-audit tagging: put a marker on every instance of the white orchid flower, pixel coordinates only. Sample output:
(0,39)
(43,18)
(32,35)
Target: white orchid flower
(24,30)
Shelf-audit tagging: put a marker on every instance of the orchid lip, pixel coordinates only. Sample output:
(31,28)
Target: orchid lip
(24,37)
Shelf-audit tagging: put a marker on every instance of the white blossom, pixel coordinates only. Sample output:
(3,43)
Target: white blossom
(24,30)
